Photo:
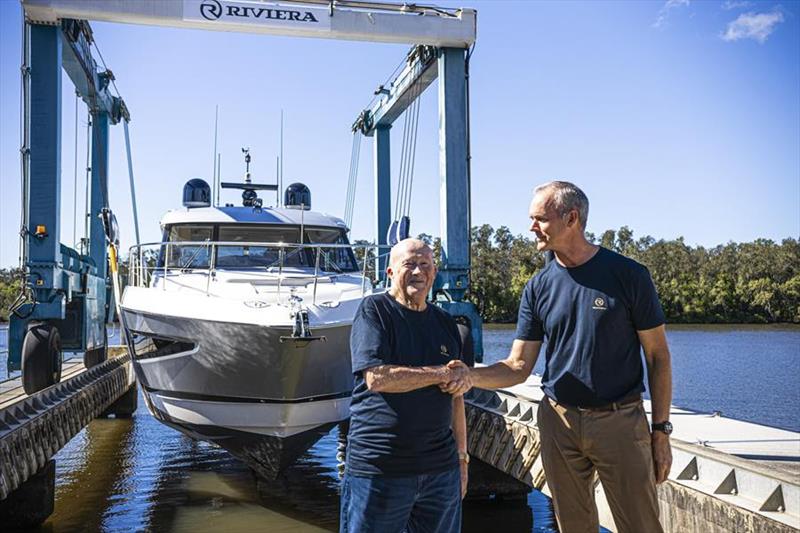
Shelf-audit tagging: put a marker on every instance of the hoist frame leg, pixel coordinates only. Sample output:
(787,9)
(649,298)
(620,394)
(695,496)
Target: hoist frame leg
(453,277)
(383,195)
(453,176)
(43,206)
(98,292)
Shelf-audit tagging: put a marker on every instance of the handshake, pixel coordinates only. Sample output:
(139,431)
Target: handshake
(456,378)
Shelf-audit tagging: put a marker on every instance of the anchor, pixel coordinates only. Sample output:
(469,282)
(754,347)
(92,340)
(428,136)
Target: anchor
(301,332)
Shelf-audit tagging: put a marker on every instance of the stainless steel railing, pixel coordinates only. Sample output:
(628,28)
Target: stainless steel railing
(150,262)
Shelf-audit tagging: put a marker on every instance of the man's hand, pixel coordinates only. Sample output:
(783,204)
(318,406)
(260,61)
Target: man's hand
(458,379)
(662,455)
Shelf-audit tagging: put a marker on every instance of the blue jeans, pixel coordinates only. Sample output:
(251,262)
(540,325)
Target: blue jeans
(429,503)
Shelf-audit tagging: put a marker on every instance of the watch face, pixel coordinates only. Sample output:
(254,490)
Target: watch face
(664,427)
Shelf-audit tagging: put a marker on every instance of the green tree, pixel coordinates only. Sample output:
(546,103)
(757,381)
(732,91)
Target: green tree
(10,281)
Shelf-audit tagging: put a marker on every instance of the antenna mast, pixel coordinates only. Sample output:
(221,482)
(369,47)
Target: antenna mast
(215,177)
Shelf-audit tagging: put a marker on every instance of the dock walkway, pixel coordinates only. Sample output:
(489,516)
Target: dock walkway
(727,475)
(34,427)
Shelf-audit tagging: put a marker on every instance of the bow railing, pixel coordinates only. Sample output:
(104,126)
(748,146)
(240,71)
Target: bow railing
(150,264)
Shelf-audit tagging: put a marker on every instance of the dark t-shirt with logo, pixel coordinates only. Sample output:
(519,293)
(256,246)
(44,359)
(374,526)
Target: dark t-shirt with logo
(400,434)
(588,317)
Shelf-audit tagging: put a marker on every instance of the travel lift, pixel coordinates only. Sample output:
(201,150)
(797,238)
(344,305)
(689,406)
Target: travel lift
(423,65)
(65,298)
(70,291)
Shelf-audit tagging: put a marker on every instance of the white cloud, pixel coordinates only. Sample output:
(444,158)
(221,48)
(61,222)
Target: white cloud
(736,4)
(668,6)
(756,26)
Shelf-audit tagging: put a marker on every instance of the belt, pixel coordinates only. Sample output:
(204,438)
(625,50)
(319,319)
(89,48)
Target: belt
(613,406)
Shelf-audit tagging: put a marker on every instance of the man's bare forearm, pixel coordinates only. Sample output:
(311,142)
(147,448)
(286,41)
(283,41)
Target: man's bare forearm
(513,370)
(659,375)
(459,424)
(397,378)
(501,374)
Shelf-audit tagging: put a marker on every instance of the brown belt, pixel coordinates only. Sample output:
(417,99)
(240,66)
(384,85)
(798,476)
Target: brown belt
(613,406)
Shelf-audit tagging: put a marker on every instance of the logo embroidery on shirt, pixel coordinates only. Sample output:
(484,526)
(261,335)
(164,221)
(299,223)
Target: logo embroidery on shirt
(600,304)
(444,351)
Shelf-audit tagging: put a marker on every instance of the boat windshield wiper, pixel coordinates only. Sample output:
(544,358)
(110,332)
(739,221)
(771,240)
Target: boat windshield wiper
(187,265)
(331,263)
(284,258)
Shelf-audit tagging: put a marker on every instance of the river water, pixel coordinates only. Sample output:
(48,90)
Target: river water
(138,475)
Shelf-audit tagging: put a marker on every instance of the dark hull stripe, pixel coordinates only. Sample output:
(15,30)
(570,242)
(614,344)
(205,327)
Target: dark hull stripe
(316,327)
(233,399)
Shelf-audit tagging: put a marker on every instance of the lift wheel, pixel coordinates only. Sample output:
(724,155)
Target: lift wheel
(41,358)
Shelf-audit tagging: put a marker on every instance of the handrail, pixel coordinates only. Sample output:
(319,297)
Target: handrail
(140,274)
(260,244)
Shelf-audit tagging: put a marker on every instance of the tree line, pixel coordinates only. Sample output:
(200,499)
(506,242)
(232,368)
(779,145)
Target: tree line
(753,282)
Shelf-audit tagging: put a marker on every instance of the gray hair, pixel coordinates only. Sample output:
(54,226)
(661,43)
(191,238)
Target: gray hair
(566,197)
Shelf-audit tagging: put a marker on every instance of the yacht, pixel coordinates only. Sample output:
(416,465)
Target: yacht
(239,320)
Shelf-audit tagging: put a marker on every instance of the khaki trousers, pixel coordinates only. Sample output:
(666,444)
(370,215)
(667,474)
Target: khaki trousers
(576,444)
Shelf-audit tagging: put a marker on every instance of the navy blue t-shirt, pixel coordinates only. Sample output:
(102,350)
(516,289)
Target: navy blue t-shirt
(409,433)
(588,317)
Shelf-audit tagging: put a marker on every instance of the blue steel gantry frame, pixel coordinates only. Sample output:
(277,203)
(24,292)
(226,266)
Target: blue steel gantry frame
(443,34)
(424,65)
(69,288)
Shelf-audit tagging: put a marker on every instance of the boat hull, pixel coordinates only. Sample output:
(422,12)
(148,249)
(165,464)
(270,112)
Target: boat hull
(248,388)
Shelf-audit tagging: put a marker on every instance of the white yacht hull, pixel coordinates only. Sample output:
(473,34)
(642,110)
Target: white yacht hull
(246,385)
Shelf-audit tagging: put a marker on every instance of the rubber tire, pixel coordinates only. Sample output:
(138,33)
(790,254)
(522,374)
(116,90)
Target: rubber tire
(96,356)
(41,358)
(467,344)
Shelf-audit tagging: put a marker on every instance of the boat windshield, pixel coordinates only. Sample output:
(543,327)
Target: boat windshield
(259,256)
(186,255)
(231,256)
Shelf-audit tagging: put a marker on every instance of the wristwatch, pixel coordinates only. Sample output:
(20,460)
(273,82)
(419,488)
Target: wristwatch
(463,456)
(664,427)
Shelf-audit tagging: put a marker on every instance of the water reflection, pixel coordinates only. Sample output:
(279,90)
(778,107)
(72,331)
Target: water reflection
(203,488)
(90,481)
(138,475)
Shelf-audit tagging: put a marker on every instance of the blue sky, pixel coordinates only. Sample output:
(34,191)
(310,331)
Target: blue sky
(677,118)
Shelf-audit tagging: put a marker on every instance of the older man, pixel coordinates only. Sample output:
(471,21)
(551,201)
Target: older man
(596,310)
(406,467)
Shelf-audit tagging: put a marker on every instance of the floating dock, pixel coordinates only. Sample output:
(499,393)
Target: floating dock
(33,428)
(727,475)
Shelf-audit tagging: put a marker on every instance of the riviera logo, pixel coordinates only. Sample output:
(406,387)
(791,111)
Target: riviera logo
(256,304)
(600,304)
(211,9)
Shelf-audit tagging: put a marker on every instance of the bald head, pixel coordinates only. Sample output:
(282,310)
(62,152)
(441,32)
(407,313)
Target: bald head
(409,246)
(412,271)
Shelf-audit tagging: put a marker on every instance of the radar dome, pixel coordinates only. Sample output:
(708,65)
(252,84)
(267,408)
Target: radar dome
(297,196)
(196,193)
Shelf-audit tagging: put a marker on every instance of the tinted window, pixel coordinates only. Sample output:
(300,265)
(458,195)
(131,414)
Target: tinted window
(247,256)
(189,255)
(332,259)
